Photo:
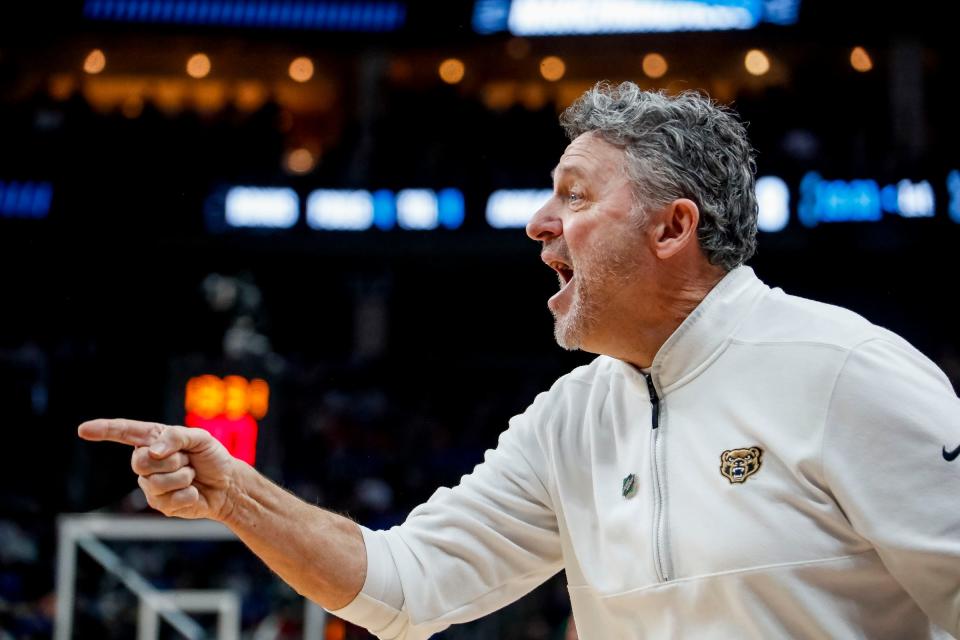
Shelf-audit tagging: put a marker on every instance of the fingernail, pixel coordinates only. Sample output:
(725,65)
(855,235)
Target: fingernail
(158,448)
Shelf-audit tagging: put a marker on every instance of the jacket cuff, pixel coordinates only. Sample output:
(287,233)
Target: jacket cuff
(378,606)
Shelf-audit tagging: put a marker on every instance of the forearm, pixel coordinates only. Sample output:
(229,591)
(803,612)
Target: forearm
(318,553)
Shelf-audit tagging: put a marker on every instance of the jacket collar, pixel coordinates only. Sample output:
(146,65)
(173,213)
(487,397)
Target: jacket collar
(706,332)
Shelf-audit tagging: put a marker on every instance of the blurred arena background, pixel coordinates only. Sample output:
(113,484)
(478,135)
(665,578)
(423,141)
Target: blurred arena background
(300,223)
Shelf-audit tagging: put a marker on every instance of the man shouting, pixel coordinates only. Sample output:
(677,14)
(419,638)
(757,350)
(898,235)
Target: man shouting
(737,462)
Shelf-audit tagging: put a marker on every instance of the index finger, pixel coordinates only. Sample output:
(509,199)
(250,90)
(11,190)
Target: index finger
(132,432)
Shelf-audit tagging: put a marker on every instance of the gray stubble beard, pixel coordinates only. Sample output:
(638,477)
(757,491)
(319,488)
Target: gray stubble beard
(613,265)
(570,330)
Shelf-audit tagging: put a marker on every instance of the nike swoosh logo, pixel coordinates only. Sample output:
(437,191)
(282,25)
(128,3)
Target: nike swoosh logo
(950,456)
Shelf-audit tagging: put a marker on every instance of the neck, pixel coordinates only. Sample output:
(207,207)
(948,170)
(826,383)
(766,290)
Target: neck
(654,314)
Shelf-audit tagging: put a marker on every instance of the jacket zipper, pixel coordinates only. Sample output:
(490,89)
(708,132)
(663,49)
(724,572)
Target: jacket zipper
(658,532)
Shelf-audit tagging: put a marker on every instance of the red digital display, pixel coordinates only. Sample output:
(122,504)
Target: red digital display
(229,409)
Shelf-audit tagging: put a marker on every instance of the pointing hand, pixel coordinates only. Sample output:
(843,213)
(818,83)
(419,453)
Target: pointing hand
(184,472)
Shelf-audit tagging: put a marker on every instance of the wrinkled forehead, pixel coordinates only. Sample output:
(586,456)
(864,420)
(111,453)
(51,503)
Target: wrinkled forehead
(590,154)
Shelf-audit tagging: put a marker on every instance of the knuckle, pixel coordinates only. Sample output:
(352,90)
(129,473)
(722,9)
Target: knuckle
(177,501)
(160,505)
(136,460)
(186,477)
(178,435)
(142,463)
(175,480)
(145,486)
(188,496)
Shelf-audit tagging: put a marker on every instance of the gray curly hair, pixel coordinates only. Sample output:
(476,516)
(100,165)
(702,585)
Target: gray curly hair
(684,146)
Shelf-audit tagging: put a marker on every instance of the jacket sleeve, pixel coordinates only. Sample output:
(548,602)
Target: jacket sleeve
(892,416)
(467,551)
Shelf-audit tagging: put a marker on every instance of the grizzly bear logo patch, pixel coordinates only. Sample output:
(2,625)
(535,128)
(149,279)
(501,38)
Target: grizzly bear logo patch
(737,465)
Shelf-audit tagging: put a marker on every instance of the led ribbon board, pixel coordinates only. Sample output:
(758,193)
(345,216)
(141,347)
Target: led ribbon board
(410,209)
(773,204)
(953,189)
(273,14)
(25,199)
(229,409)
(597,17)
(264,207)
(862,200)
(513,208)
(820,201)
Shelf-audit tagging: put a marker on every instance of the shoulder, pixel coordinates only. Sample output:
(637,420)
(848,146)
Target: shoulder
(585,380)
(885,367)
(598,371)
(781,318)
(572,392)
(838,347)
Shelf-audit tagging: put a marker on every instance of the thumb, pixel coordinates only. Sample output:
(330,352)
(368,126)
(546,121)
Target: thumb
(175,438)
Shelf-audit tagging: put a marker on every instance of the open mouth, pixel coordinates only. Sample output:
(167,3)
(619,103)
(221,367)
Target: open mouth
(564,271)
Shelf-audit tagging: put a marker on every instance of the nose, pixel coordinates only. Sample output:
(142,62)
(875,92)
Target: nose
(545,225)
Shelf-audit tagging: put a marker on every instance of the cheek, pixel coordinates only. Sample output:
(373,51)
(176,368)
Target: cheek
(578,233)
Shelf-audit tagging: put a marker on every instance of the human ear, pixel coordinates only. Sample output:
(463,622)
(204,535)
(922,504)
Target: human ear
(678,227)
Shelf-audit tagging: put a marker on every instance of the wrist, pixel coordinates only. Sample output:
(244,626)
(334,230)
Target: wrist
(235,494)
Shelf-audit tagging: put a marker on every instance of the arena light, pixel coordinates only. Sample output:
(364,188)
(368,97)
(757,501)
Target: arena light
(95,62)
(756,62)
(229,409)
(198,66)
(384,209)
(552,68)
(513,208)
(272,208)
(417,209)
(340,210)
(862,200)
(451,70)
(837,200)
(909,199)
(781,12)
(370,16)
(29,200)
(301,69)
(490,16)
(773,201)
(554,17)
(953,191)
(654,65)
(587,17)
(451,209)
(412,209)
(300,161)
(860,60)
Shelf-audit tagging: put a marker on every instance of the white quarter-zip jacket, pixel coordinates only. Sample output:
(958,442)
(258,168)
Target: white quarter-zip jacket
(782,471)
